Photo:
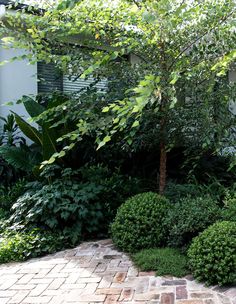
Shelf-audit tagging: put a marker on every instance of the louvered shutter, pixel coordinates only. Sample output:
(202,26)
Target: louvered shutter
(49,78)
(75,84)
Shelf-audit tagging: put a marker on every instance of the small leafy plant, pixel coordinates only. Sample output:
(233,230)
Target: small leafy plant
(139,222)
(212,255)
(19,246)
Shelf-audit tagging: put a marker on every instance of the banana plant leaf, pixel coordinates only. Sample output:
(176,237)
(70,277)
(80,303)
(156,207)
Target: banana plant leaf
(29,131)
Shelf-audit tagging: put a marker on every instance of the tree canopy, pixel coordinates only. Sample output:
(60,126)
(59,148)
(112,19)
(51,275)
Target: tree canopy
(182,49)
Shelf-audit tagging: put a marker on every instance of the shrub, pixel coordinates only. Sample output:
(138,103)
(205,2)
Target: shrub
(212,255)
(19,246)
(116,188)
(139,222)
(176,192)
(66,205)
(9,195)
(189,217)
(229,210)
(79,204)
(165,261)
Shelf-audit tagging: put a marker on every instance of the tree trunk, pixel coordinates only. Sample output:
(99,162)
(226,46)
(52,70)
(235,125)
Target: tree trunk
(162,171)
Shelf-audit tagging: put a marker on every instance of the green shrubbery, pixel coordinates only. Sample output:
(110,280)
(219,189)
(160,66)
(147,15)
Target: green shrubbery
(9,195)
(212,255)
(229,210)
(79,204)
(139,222)
(188,217)
(19,246)
(175,192)
(145,220)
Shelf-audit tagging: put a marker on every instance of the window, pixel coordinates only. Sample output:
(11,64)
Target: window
(50,79)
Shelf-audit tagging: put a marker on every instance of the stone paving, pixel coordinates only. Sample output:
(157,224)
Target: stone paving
(96,273)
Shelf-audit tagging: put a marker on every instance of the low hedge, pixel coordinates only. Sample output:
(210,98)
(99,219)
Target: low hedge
(212,255)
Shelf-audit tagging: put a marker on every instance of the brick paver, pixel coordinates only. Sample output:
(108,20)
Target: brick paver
(96,273)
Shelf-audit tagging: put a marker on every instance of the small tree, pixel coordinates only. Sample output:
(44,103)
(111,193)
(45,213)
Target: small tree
(178,44)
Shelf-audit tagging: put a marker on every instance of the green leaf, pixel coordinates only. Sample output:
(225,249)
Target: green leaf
(32,107)
(100,145)
(29,131)
(106,139)
(48,142)
(105,109)
(135,124)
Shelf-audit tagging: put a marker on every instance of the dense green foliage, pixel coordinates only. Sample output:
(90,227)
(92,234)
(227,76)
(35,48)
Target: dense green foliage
(139,222)
(79,203)
(212,255)
(9,195)
(181,56)
(188,217)
(175,192)
(10,140)
(165,261)
(19,246)
(229,210)
(166,62)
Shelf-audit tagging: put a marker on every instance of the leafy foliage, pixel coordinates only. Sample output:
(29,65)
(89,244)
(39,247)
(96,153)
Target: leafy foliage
(229,210)
(79,203)
(181,58)
(165,261)
(10,140)
(19,246)
(21,158)
(175,192)
(116,188)
(9,195)
(10,134)
(64,205)
(139,222)
(188,217)
(212,255)
(46,139)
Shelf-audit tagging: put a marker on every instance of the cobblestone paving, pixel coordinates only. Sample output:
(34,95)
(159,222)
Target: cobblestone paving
(97,273)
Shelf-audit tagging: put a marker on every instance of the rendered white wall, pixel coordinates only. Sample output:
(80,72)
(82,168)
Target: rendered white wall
(16,79)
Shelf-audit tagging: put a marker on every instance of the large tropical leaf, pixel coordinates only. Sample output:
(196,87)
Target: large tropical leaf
(20,158)
(29,131)
(49,142)
(32,107)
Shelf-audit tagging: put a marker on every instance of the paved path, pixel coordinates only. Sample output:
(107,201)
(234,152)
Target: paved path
(97,273)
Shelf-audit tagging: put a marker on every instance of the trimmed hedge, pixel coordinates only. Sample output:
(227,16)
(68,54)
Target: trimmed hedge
(212,255)
(139,222)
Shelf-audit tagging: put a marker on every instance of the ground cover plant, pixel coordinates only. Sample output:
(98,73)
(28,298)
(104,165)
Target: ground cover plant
(165,261)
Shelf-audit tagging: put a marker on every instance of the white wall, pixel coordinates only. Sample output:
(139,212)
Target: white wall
(16,79)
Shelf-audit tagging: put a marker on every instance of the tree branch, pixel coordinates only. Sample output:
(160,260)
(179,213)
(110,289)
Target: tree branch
(199,38)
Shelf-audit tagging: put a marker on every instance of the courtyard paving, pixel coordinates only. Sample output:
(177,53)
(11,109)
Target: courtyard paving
(95,272)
